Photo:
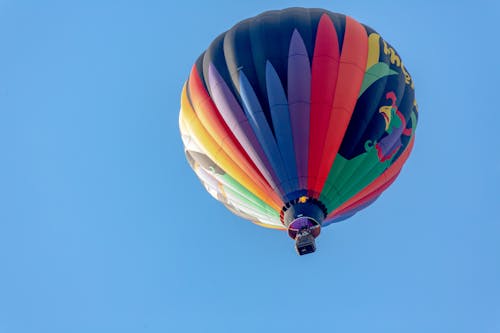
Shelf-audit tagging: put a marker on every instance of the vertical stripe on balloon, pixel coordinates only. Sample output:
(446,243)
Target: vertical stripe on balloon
(350,77)
(299,103)
(325,66)
(278,105)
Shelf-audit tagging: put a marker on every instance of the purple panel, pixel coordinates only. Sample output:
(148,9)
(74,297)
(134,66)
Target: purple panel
(388,146)
(299,102)
(236,120)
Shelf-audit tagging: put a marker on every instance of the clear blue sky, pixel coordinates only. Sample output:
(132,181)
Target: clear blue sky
(105,228)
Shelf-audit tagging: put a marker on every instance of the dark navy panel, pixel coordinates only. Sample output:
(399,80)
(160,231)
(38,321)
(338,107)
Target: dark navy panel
(369,30)
(367,123)
(239,53)
(270,41)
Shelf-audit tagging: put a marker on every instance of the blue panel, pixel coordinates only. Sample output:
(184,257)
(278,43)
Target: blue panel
(258,121)
(278,105)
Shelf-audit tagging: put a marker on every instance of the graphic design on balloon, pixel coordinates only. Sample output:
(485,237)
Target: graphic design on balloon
(298,118)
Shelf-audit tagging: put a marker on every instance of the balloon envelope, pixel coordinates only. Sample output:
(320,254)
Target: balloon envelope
(298,112)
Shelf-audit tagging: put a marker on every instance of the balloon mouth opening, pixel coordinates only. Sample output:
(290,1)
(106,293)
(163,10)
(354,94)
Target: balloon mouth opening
(301,224)
(304,214)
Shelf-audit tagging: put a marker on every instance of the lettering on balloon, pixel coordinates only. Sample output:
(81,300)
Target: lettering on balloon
(396,60)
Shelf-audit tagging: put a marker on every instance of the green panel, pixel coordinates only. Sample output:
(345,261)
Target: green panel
(377,71)
(355,175)
(239,193)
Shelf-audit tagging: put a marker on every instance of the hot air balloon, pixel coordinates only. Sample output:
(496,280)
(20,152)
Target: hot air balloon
(298,118)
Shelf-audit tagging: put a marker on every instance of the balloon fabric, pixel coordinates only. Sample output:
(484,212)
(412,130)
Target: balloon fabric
(298,118)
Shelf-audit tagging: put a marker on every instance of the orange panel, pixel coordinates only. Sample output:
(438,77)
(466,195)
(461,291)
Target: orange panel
(350,77)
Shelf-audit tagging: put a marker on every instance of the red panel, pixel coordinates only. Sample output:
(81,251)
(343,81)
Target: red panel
(325,65)
(350,77)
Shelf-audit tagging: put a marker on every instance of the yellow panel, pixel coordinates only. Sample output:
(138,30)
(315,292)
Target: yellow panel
(373,49)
